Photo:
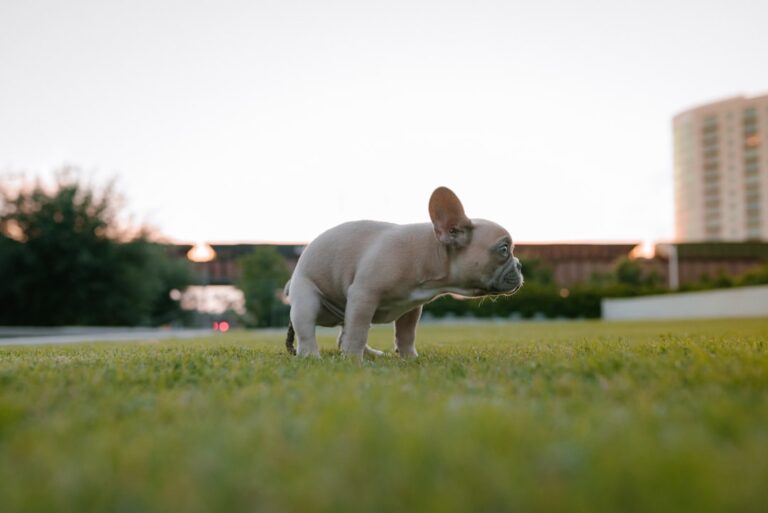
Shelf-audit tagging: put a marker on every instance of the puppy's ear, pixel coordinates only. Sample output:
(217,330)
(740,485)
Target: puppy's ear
(452,227)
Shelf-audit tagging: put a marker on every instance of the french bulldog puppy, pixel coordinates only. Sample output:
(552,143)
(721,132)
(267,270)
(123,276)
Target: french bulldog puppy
(366,272)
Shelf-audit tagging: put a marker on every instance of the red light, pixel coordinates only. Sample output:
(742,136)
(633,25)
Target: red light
(215,325)
(223,326)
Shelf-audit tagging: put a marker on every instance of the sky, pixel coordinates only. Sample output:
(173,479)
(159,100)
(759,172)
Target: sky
(273,121)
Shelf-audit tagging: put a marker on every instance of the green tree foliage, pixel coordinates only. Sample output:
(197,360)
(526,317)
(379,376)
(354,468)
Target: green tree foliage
(758,276)
(264,273)
(530,302)
(628,277)
(64,260)
(536,272)
(628,272)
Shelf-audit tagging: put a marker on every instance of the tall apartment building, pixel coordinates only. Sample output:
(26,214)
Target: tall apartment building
(721,171)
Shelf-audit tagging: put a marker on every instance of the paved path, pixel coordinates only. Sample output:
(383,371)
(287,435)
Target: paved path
(72,336)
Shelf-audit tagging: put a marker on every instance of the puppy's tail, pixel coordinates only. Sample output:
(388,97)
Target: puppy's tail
(289,338)
(291,335)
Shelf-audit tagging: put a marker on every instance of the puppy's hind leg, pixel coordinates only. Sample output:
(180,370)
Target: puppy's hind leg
(304,308)
(405,333)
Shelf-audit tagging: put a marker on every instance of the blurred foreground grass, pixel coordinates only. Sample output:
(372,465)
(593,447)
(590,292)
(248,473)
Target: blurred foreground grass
(581,416)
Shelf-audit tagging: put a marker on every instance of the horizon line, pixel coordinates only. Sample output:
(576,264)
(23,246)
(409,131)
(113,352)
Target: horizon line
(235,242)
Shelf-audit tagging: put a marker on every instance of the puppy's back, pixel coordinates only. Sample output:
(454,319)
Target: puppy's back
(331,260)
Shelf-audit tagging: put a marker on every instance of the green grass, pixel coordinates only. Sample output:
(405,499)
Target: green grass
(583,416)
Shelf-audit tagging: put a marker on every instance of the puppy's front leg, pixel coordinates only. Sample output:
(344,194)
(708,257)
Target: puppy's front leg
(368,349)
(361,306)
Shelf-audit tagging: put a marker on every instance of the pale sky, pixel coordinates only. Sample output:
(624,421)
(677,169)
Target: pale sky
(255,120)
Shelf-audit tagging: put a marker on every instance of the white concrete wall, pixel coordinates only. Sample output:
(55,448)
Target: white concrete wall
(736,302)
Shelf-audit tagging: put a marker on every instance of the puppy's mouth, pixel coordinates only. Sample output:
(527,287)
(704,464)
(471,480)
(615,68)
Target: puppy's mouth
(508,281)
(516,282)
(506,291)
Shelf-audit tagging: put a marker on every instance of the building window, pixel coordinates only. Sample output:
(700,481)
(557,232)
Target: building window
(752,207)
(713,232)
(752,141)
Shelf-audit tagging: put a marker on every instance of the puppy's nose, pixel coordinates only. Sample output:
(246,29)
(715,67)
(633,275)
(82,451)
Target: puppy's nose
(518,265)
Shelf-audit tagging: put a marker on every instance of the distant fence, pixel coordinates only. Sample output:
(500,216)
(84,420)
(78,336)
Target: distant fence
(736,302)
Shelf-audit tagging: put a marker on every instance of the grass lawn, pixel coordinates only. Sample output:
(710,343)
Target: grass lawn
(582,416)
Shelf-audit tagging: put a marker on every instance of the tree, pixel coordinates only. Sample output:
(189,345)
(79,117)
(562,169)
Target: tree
(263,275)
(66,260)
(535,271)
(628,272)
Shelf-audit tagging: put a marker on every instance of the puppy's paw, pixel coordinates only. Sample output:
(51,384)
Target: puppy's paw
(373,352)
(309,354)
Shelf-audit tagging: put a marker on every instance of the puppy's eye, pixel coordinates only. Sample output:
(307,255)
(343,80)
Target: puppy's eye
(454,231)
(504,250)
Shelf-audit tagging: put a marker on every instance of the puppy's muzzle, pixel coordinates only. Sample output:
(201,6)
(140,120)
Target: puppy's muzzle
(510,278)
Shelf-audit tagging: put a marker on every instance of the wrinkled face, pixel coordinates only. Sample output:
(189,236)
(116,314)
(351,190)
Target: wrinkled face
(480,251)
(485,266)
